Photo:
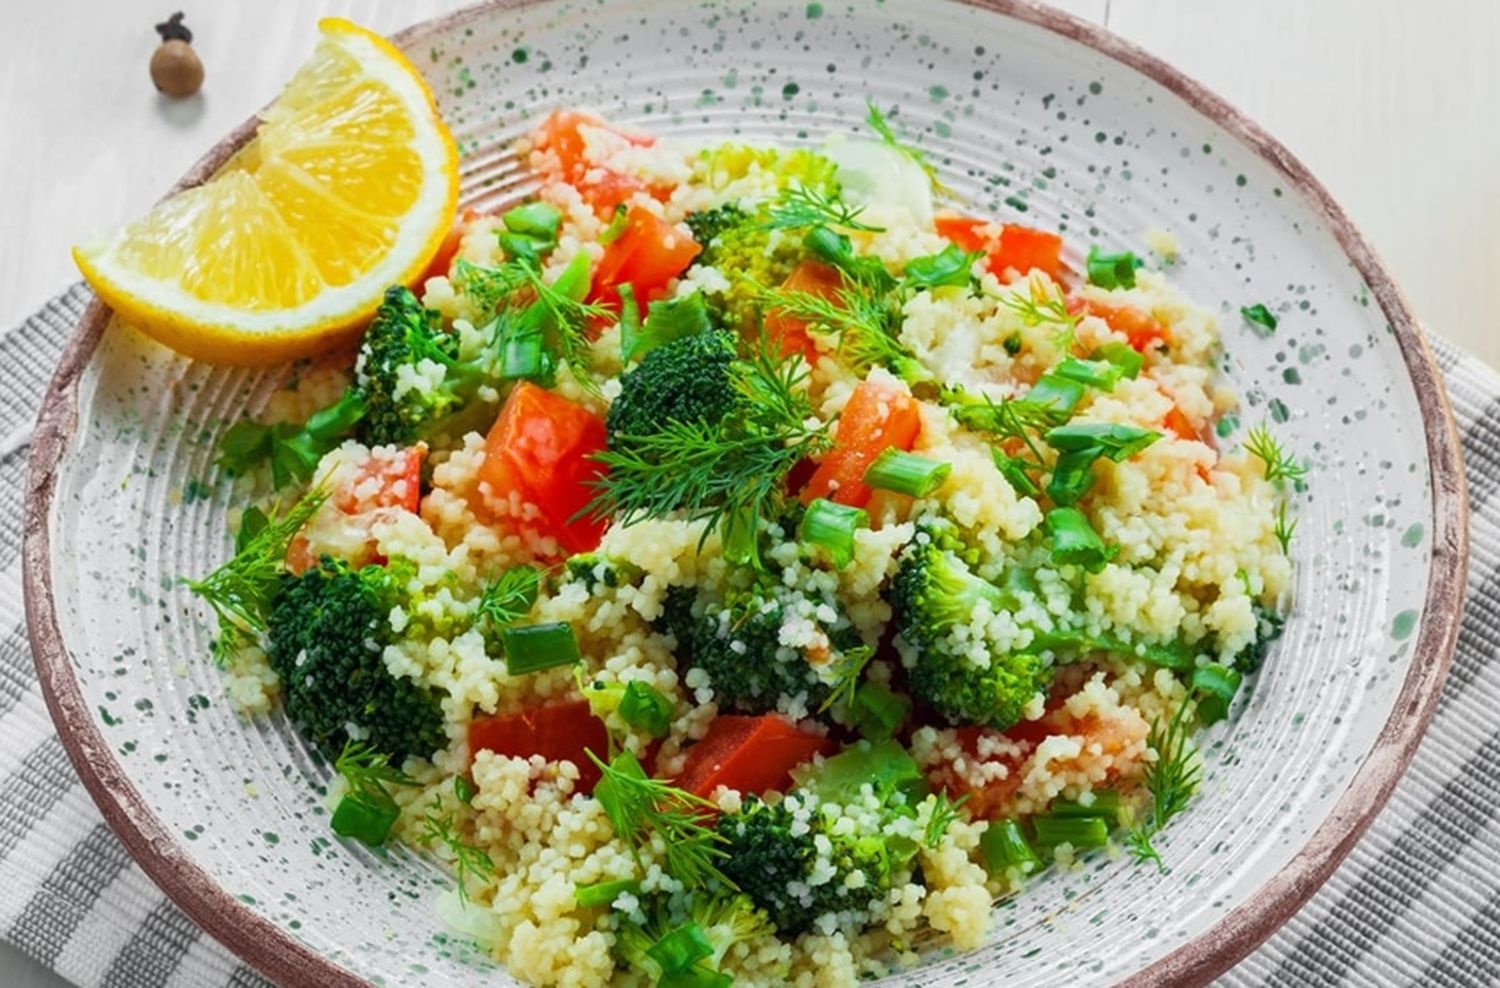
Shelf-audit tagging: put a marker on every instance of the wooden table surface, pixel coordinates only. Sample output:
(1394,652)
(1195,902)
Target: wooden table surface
(1395,106)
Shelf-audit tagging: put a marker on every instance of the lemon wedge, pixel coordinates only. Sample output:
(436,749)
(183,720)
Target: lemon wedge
(349,186)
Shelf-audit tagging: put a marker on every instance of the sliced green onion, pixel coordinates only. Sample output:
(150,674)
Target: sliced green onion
(951,266)
(1005,846)
(1215,686)
(1012,344)
(519,245)
(243,445)
(696,976)
(1074,540)
(534,219)
(668,320)
(878,712)
(1060,393)
(906,473)
(1261,316)
(630,320)
(1072,475)
(1122,355)
(327,425)
(617,224)
(829,246)
(253,521)
(832,526)
(1112,270)
(1080,832)
(534,647)
(1014,472)
(1111,439)
(1105,806)
(646,707)
(681,948)
(575,279)
(603,893)
(365,817)
(463,789)
(1099,374)
(523,352)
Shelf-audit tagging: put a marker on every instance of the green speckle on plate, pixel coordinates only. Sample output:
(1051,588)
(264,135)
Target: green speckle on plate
(1403,624)
(1413,536)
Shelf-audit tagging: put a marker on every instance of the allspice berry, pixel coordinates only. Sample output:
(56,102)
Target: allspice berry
(174,66)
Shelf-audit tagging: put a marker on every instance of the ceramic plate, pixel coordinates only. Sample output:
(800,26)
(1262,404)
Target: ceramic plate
(1029,115)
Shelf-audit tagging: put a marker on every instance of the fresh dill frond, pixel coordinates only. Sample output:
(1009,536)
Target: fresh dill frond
(240,591)
(799,207)
(569,318)
(1284,527)
(862,320)
(847,669)
(489,287)
(469,862)
(728,473)
(882,127)
(639,806)
(1018,419)
(510,597)
(1280,466)
(1043,304)
(1171,781)
(944,814)
(367,770)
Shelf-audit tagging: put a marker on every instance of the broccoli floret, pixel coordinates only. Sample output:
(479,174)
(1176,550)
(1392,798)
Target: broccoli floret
(708,224)
(325,636)
(597,572)
(1268,627)
(701,933)
(404,352)
(780,866)
(749,256)
(686,380)
(738,640)
(933,591)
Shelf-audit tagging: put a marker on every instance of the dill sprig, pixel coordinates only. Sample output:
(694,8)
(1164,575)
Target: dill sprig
(728,473)
(882,127)
(638,806)
(1043,304)
(569,319)
(1280,466)
(469,862)
(488,287)
(799,207)
(1171,780)
(1284,527)
(1007,419)
(368,771)
(943,815)
(240,591)
(510,597)
(847,669)
(862,319)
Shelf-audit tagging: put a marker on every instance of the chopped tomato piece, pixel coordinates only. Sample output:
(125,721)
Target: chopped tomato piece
(1019,248)
(1140,329)
(558,732)
(790,332)
(751,754)
(1178,423)
(1025,249)
(541,448)
(647,255)
(602,188)
(879,415)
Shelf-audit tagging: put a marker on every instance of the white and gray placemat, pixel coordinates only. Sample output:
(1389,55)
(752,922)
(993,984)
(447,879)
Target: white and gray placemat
(1417,902)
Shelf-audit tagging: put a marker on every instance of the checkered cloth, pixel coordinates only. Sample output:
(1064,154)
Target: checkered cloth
(1417,902)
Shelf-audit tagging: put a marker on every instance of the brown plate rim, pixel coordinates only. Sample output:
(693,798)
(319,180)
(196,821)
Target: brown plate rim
(287,960)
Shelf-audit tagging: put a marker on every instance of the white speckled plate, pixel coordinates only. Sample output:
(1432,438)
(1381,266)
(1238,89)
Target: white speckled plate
(1031,116)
